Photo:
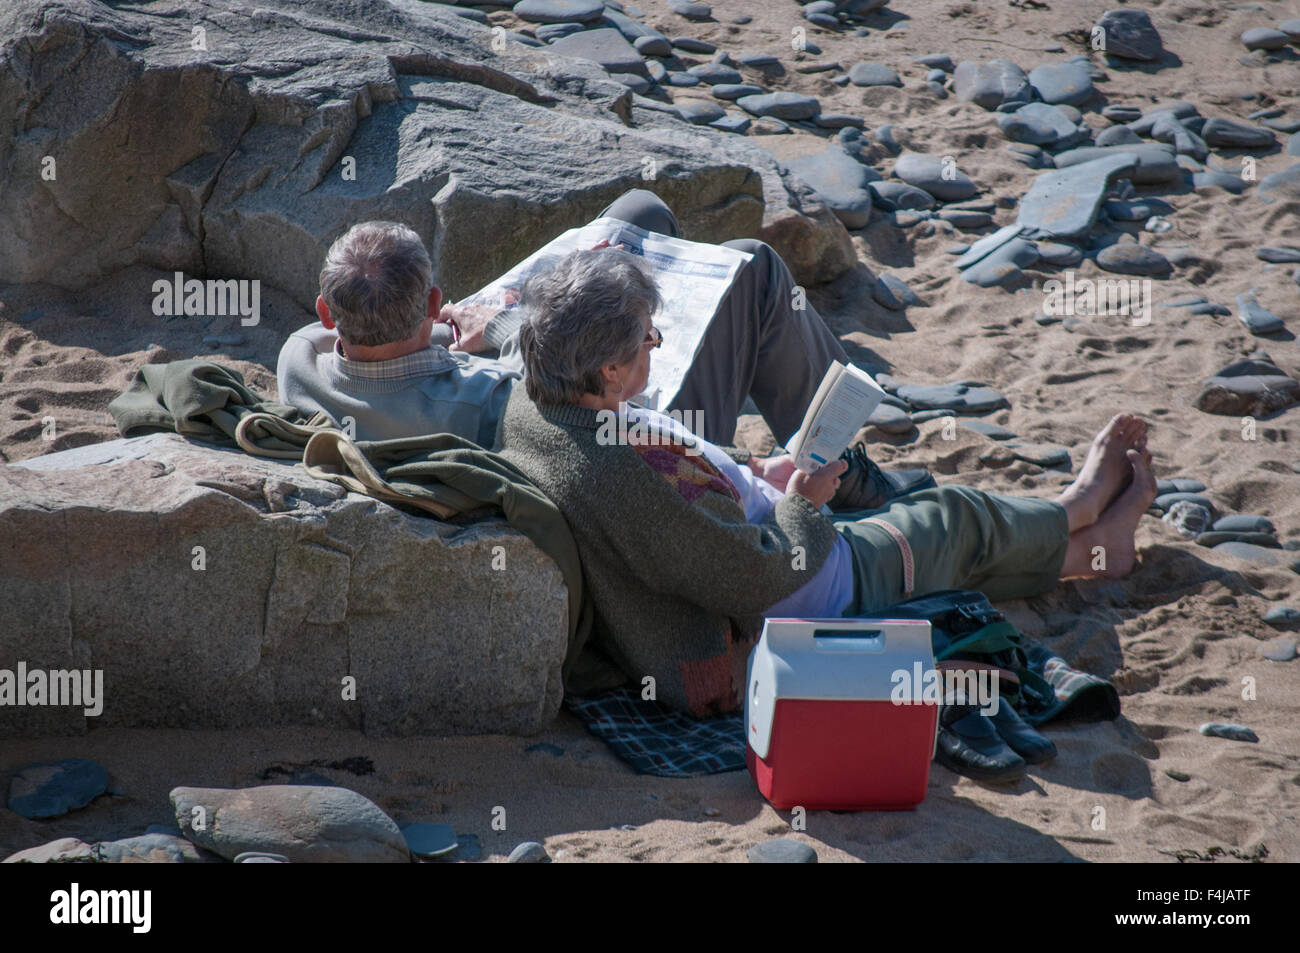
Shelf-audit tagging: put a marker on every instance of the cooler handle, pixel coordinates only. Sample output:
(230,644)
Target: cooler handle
(850,640)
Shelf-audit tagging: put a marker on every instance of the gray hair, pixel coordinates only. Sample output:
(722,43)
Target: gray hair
(583,314)
(376,282)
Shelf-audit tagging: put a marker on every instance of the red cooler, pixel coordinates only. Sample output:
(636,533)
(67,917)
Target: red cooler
(825,718)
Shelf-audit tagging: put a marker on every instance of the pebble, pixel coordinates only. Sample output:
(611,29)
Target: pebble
(770,126)
(1283,617)
(992,431)
(1257,555)
(1257,319)
(715,74)
(1064,203)
(1243,523)
(1156,162)
(1003,266)
(735,90)
(1166,500)
(529,852)
(1278,255)
(924,415)
(928,173)
(1117,136)
(305,824)
(1130,259)
(732,122)
(822,66)
(1060,254)
(1236,135)
(1251,386)
(959,396)
(699,111)
(842,182)
(430,840)
(781,851)
(681,78)
(1121,114)
(822,19)
(898,290)
(1222,180)
(658,72)
(1190,519)
(1215,729)
(688,44)
(965,218)
(891,196)
(1045,455)
(638,84)
(559,11)
(1291,28)
(691,11)
(1129,34)
(936,76)
(549,32)
(1186,485)
(889,419)
(1058,83)
(1177,775)
(756,60)
(1284,185)
(653,46)
(784,105)
(1278,650)
(937,61)
(1038,124)
(838,121)
(1286,126)
(1264,38)
(873,74)
(1213,538)
(53,788)
(991,84)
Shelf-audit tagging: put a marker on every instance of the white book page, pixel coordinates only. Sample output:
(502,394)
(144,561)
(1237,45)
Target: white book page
(852,398)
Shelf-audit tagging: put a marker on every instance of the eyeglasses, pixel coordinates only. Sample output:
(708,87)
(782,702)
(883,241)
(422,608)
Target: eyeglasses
(654,338)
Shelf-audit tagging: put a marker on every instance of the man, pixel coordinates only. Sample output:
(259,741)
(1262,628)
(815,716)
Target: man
(388,358)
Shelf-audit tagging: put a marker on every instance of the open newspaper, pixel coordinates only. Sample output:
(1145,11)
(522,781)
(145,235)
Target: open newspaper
(692,278)
(842,404)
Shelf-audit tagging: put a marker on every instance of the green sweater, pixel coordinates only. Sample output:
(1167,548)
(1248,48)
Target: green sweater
(677,577)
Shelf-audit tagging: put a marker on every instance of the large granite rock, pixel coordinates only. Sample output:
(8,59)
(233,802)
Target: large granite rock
(445,628)
(251,145)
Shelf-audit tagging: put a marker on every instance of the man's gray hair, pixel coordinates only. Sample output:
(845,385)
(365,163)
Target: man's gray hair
(583,314)
(376,283)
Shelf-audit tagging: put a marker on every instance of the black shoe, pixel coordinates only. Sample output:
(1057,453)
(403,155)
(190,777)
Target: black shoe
(864,486)
(1020,736)
(969,745)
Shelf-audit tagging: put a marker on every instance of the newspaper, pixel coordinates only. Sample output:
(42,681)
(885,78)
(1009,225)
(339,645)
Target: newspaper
(692,278)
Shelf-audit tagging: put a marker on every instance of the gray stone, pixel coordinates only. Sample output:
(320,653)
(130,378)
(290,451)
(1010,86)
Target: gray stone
(782,105)
(1119,210)
(290,581)
(992,431)
(891,196)
(936,76)
(756,60)
(559,11)
(638,84)
(961,397)
(653,46)
(529,852)
(1264,38)
(1243,523)
(658,72)
(605,46)
(1041,454)
(1064,203)
(65,850)
(822,19)
(1177,109)
(941,179)
(148,849)
(1254,387)
(1267,557)
(689,44)
(1278,255)
(1222,180)
(891,420)
(550,32)
(885,136)
(1156,162)
(781,851)
(873,74)
(991,84)
(937,88)
(1129,34)
(430,840)
(699,111)
(1001,267)
(1130,259)
(1190,519)
(1284,185)
(937,61)
(304,824)
(1119,113)
(841,180)
(1117,136)
(1278,650)
(1257,318)
(1186,485)
(1060,255)
(53,788)
(893,292)
(1212,538)
(1291,28)
(682,78)
(1283,617)
(1225,133)
(1062,83)
(1215,729)
(691,11)
(732,123)
(965,218)
(839,121)
(1166,500)
(1037,124)
(735,90)
(716,73)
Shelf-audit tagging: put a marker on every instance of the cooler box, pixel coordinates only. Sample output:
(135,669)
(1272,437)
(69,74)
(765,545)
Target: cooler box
(823,730)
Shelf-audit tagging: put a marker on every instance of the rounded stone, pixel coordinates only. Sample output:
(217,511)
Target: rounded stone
(735,90)
(1264,38)
(1243,523)
(716,73)
(1131,259)
(873,74)
(529,852)
(1278,650)
(653,46)
(784,105)
(781,851)
(559,11)
(699,111)
(1283,617)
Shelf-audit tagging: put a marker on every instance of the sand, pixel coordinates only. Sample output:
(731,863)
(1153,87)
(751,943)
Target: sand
(1179,636)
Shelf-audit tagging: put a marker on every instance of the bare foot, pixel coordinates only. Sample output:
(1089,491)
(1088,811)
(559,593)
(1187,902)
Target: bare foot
(1106,471)
(1106,548)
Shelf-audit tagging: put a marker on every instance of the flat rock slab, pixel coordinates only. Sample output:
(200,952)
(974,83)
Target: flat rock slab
(1003,265)
(1041,454)
(781,851)
(303,824)
(559,11)
(1130,35)
(992,431)
(53,788)
(1064,203)
(1255,387)
(1265,556)
(303,582)
(841,180)
(1038,124)
(1156,163)
(895,289)
(1277,255)
(1224,133)
(65,850)
(781,105)
(961,397)
(892,196)
(1058,83)
(1215,729)
(941,179)
(608,47)
(1257,318)
(891,420)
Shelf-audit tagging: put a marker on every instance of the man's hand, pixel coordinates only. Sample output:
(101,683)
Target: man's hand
(774,470)
(471,320)
(818,488)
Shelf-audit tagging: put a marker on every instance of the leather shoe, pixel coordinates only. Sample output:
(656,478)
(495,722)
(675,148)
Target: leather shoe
(969,745)
(1020,736)
(864,486)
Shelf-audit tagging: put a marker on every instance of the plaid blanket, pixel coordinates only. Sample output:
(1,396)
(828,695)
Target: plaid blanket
(668,744)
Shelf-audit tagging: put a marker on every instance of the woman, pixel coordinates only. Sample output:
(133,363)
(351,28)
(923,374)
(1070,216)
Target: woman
(685,551)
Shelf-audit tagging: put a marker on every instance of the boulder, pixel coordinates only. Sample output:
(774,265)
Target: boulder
(842,182)
(217,590)
(991,84)
(301,823)
(1130,35)
(298,120)
(1256,387)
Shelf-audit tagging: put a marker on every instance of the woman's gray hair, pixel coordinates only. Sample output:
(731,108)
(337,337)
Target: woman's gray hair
(583,314)
(376,283)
